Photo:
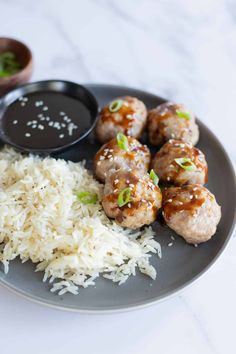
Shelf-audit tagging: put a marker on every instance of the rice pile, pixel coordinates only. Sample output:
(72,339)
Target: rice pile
(42,220)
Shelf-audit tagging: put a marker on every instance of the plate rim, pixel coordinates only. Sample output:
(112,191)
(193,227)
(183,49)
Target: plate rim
(169,294)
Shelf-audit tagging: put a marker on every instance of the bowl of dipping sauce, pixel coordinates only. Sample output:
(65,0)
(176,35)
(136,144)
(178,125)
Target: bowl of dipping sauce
(47,116)
(15,64)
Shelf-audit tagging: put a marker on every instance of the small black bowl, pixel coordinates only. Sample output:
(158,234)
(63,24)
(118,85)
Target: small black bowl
(80,103)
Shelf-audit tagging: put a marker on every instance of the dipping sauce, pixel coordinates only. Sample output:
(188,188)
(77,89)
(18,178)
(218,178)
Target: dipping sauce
(44,120)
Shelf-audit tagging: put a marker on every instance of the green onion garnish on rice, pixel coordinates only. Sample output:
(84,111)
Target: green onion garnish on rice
(87,197)
(186,163)
(184,115)
(124,197)
(122,141)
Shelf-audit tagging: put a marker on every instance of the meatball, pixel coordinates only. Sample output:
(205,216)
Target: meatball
(140,196)
(192,212)
(112,156)
(172,121)
(180,163)
(125,114)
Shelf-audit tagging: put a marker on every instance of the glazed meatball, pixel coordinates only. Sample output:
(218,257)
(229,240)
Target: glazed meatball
(172,121)
(125,114)
(112,156)
(141,196)
(192,212)
(180,163)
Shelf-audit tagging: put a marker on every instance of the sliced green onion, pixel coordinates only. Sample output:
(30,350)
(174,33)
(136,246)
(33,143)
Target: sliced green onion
(124,197)
(122,141)
(184,115)
(114,106)
(87,197)
(154,177)
(186,163)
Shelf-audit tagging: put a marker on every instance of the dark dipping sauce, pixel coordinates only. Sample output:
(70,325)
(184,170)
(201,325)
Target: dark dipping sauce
(44,120)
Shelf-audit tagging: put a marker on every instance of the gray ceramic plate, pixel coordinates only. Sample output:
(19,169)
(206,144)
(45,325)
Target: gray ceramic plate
(181,264)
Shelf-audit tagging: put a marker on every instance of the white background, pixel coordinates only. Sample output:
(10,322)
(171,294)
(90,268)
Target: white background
(182,50)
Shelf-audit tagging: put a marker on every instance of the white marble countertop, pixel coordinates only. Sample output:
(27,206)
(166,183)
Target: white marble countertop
(183,50)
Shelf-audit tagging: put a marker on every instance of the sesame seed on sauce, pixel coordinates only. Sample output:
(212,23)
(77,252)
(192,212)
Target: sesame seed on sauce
(102,157)
(38,103)
(109,156)
(169,200)
(129,205)
(191,197)
(116,181)
(127,181)
(168,178)
(181,203)
(195,188)
(115,190)
(99,163)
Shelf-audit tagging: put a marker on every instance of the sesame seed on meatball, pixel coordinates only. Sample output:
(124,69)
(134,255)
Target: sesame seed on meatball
(180,163)
(192,212)
(142,205)
(171,121)
(127,115)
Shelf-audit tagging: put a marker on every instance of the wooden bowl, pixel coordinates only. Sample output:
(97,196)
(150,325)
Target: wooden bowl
(24,56)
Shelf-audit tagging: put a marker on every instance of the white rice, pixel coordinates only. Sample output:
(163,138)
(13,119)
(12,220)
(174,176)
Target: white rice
(42,220)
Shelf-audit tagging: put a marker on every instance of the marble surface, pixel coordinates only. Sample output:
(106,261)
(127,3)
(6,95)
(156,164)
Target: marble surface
(184,50)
